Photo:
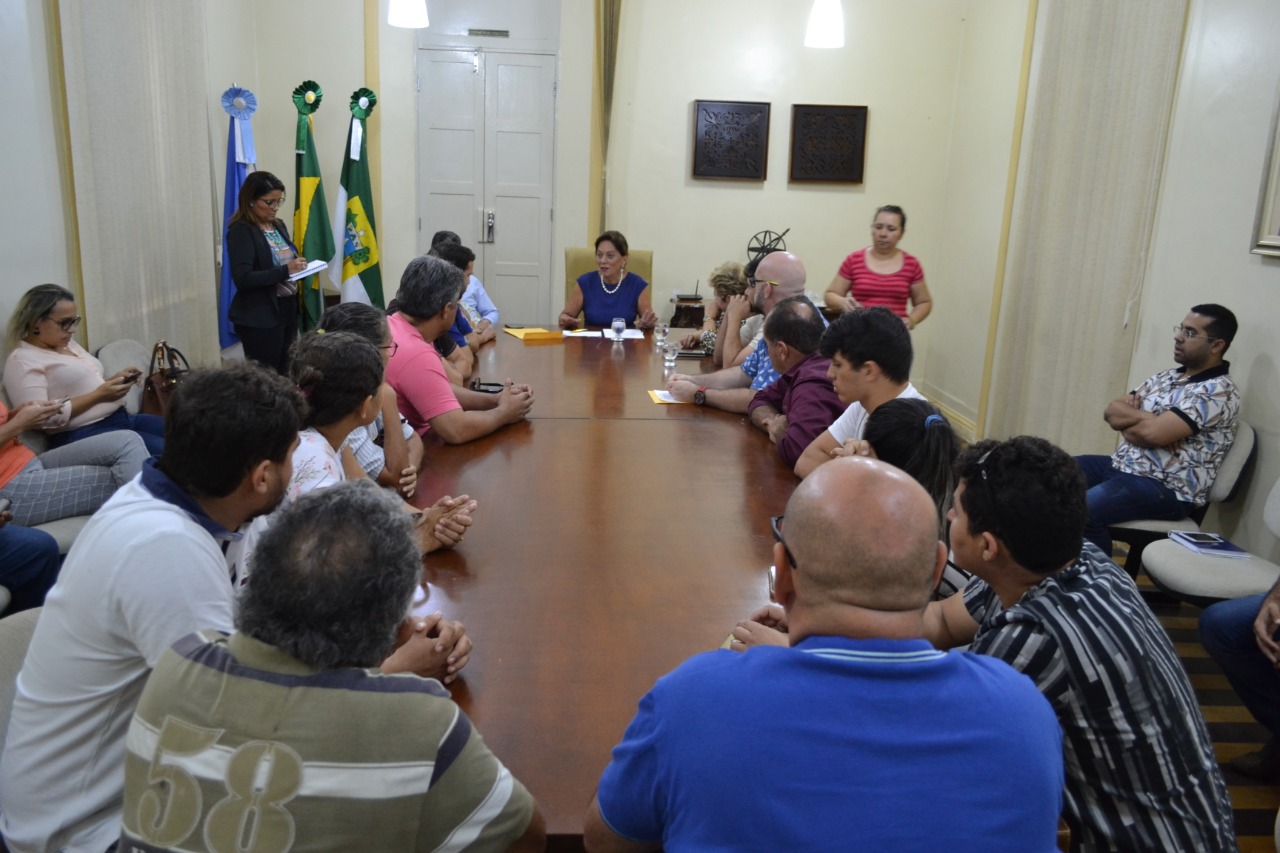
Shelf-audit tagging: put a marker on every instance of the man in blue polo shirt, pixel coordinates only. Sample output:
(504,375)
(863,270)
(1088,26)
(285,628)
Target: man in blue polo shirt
(859,733)
(1177,428)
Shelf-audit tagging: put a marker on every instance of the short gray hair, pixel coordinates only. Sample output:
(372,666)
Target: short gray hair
(427,286)
(333,577)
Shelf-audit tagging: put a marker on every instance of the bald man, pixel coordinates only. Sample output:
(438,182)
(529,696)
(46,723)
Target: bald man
(779,276)
(859,730)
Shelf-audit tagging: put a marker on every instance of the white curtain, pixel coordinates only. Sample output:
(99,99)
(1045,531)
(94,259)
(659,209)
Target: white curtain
(1099,107)
(137,110)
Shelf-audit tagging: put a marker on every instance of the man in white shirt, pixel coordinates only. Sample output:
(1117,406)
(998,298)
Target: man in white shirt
(147,570)
(870,351)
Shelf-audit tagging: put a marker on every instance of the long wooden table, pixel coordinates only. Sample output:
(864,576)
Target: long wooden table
(614,539)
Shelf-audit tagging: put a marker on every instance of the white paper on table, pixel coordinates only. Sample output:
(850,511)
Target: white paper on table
(310,270)
(663,397)
(629,334)
(582,333)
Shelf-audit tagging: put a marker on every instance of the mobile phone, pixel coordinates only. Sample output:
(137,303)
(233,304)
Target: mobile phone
(691,353)
(1203,538)
(513,325)
(487,387)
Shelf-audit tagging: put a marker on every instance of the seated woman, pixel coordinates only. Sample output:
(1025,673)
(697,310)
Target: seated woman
(74,479)
(610,291)
(882,274)
(396,463)
(728,348)
(45,363)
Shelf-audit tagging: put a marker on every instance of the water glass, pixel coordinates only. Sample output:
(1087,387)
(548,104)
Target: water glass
(660,332)
(670,352)
(619,327)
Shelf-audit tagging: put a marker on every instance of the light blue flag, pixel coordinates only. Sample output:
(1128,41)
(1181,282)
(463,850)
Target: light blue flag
(240,104)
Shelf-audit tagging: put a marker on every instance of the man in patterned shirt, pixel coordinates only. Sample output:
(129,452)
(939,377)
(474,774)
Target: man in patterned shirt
(1177,427)
(779,276)
(287,736)
(1140,768)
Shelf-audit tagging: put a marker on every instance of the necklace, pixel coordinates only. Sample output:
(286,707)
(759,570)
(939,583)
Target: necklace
(605,286)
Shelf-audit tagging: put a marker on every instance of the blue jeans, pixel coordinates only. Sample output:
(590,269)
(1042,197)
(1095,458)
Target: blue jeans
(1226,631)
(29,564)
(150,427)
(1115,496)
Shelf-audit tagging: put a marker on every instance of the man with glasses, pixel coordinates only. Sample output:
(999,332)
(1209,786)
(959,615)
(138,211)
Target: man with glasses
(779,276)
(1176,428)
(1140,767)
(858,733)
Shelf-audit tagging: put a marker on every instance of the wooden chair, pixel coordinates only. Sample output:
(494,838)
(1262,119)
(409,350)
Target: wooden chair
(1142,532)
(582,259)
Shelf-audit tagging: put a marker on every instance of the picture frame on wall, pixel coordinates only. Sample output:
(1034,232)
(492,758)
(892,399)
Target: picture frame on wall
(1266,225)
(731,140)
(828,143)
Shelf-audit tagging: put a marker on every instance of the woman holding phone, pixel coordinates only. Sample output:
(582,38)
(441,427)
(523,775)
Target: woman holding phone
(47,366)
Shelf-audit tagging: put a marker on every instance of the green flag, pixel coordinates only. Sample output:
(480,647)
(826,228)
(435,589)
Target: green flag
(312,233)
(357,270)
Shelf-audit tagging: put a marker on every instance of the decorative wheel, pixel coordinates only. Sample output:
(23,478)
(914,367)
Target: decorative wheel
(765,242)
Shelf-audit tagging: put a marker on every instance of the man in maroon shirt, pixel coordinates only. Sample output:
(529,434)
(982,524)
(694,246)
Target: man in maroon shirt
(802,403)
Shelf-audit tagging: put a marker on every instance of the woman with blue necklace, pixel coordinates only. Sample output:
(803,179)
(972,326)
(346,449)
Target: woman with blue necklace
(610,291)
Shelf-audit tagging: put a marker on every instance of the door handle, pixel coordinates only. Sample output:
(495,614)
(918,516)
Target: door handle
(489,219)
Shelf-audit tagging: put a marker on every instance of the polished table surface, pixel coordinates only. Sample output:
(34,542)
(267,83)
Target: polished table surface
(614,539)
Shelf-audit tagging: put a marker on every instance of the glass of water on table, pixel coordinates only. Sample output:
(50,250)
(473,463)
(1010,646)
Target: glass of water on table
(670,352)
(660,332)
(618,328)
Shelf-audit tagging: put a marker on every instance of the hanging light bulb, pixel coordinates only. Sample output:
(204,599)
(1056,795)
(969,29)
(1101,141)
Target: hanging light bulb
(826,25)
(410,14)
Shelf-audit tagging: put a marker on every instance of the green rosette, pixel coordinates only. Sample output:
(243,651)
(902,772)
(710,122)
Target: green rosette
(307,97)
(362,102)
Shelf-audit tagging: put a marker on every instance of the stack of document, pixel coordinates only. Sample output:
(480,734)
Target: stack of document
(1207,543)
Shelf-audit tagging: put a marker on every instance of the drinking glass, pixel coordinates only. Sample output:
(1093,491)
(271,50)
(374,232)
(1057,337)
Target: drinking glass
(618,327)
(660,332)
(670,352)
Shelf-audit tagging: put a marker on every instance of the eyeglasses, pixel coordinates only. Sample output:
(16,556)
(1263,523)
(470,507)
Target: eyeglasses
(774,523)
(274,205)
(391,348)
(1191,334)
(753,282)
(68,324)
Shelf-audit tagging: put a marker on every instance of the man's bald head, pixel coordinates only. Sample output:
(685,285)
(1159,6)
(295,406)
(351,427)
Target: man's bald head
(863,533)
(787,270)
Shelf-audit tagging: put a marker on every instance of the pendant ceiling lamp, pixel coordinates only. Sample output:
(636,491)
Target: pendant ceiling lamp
(826,25)
(410,14)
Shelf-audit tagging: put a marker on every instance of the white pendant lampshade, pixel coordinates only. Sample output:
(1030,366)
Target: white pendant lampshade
(410,14)
(826,25)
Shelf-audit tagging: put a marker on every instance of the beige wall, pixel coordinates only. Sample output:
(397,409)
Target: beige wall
(34,233)
(1227,92)
(940,118)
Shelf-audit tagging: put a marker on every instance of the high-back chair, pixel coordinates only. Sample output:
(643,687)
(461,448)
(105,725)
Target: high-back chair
(582,259)
(1144,531)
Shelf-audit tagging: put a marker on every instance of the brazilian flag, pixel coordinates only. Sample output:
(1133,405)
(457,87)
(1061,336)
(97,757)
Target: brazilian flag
(358,271)
(312,233)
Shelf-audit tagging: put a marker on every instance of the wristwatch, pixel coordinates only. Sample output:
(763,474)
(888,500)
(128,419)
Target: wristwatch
(700,396)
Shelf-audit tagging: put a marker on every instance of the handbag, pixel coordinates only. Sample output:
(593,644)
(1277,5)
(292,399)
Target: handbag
(167,369)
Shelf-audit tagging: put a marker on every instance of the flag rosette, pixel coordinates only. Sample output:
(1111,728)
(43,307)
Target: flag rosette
(362,102)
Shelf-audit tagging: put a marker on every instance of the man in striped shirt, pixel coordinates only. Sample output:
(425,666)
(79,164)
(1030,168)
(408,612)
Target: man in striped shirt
(1140,768)
(285,735)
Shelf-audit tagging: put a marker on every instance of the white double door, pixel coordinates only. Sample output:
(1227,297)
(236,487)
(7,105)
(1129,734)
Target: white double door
(486,124)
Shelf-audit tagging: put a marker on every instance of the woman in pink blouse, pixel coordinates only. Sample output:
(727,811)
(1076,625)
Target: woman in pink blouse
(46,364)
(882,274)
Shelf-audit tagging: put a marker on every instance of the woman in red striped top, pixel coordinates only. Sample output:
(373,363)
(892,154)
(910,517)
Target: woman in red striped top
(882,274)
